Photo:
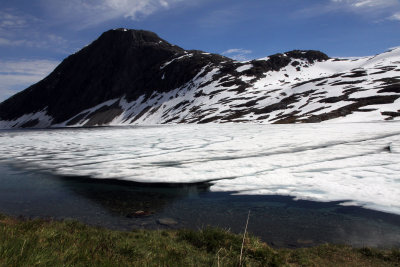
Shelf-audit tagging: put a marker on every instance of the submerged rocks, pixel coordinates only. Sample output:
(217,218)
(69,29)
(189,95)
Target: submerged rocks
(167,221)
(140,214)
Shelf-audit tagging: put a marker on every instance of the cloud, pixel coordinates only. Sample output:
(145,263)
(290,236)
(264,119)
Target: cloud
(221,17)
(31,67)
(372,8)
(17,75)
(8,42)
(237,50)
(87,13)
(237,54)
(10,20)
(14,25)
(367,3)
(395,16)
(36,41)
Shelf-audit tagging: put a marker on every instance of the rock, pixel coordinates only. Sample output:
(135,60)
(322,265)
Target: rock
(387,149)
(167,221)
(139,214)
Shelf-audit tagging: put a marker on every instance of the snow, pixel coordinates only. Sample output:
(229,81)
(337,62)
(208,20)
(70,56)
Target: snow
(216,99)
(359,117)
(264,58)
(44,120)
(174,59)
(384,58)
(323,162)
(244,67)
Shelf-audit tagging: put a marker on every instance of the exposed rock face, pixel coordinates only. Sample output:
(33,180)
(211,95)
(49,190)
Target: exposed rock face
(118,63)
(134,77)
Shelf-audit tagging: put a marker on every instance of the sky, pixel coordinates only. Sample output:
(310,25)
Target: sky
(36,35)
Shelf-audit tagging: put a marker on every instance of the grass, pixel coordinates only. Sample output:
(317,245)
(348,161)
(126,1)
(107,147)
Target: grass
(70,243)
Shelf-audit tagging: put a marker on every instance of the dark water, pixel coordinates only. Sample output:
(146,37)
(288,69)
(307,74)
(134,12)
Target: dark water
(278,220)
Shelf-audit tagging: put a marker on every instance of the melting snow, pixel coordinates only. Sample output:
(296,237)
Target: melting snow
(323,162)
(244,67)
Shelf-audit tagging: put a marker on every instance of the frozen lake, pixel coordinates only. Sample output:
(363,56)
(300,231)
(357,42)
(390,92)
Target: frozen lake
(333,170)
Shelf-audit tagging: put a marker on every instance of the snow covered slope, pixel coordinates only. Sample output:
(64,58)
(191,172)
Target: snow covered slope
(134,77)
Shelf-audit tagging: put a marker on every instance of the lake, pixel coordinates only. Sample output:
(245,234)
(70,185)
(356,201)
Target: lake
(304,184)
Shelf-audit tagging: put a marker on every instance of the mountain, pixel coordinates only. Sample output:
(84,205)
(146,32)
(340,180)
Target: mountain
(134,77)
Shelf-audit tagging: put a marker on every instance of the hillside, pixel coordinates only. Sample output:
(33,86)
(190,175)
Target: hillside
(128,77)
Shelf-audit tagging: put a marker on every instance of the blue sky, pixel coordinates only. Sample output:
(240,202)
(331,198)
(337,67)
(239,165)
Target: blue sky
(36,35)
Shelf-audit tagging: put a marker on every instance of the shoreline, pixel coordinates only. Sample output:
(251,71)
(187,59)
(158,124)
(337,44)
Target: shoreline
(173,224)
(71,243)
(278,220)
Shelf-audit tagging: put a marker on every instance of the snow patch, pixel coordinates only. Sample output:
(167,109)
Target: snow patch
(38,119)
(244,68)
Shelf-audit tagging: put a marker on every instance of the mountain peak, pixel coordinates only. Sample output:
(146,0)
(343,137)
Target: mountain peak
(310,55)
(133,37)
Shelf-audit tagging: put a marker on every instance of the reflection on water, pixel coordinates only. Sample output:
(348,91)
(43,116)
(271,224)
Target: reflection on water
(278,220)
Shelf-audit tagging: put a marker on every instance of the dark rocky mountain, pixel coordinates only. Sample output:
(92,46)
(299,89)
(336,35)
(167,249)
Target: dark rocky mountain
(135,77)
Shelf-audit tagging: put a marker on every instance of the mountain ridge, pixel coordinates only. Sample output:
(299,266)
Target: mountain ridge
(134,77)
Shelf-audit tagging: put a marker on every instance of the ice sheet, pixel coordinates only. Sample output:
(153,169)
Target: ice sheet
(354,162)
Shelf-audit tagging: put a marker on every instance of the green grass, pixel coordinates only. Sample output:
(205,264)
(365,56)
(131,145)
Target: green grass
(70,243)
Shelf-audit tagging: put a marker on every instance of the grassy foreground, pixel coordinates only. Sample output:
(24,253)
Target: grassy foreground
(69,243)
